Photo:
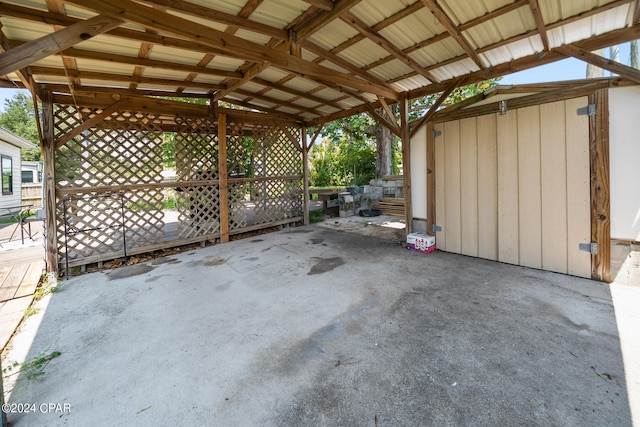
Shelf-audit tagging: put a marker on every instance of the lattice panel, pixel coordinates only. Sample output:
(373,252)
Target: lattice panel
(239,205)
(276,200)
(94,226)
(283,156)
(144,218)
(198,211)
(196,149)
(125,149)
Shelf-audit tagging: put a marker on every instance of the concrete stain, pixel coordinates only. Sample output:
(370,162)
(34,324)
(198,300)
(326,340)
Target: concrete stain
(212,261)
(160,261)
(257,240)
(325,264)
(129,271)
(317,241)
(253,258)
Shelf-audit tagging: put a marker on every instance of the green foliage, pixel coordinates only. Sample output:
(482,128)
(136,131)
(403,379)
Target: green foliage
(33,368)
(342,162)
(316,216)
(19,118)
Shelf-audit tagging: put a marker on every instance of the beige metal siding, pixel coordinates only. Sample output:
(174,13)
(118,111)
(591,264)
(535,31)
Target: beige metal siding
(516,187)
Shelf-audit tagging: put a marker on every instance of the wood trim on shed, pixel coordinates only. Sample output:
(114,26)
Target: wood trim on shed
(431,178)
(600,191)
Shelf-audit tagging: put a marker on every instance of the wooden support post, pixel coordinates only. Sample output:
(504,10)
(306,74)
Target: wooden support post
(406,161)
(431,178)
(224,185)
(600,194)
(305,174)
(48,153)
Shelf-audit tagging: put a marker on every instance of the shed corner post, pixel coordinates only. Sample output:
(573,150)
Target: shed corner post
(48,153)
(600,191)
(431,178)
(406,161)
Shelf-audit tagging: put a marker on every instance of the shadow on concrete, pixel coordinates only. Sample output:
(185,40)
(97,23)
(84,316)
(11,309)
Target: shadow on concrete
(313,326)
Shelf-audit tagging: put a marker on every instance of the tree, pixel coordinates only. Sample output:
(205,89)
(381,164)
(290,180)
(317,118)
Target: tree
(362,127)
(19,118)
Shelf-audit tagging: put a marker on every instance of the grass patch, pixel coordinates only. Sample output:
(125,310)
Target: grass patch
(31,311)
(33,368)
(316,216)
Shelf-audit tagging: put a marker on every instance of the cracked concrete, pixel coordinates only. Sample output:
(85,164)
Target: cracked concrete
(244,334)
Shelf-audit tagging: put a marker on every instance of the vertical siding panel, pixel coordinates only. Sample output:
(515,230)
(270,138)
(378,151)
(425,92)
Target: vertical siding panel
(487,188)
(530,200)
(554,186)
(578,188)
(452,185)
(469,187)
(439,142)
(507,146)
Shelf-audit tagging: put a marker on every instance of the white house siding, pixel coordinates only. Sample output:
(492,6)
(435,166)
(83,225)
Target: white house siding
(7,149)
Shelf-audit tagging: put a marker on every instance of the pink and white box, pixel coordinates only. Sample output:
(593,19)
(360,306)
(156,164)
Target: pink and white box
(421,243)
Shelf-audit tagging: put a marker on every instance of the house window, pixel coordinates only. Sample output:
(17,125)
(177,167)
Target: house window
(7,175)
(27,177)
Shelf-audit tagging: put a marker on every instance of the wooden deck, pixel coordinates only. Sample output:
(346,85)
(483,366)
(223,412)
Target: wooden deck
(18,283)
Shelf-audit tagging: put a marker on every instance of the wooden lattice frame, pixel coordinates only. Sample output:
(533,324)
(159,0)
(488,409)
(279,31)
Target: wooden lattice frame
(110,188)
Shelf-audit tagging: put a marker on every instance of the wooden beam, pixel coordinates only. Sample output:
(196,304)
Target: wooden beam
(434,108)
(392,117)
(291,138)
(323,18)
(383,121)
(42,47)
(48,152)
(223,174)
(95,75)
(315,136)
(147,62)
(237,21)
(87,124)
(300,94)
(597,60)
(636,12)
(24,75)
(600,191)
(537,16)
(517,4)
(386,45)
(431,178)
(305,176)
(448,24)
(321,4)
(232,45)
(406,162)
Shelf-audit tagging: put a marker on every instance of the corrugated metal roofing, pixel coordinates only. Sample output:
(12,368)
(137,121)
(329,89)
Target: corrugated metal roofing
(357,65)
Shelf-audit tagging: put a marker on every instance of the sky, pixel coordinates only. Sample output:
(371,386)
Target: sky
(567,69)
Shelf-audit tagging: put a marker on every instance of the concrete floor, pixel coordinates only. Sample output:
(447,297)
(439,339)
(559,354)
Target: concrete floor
(314,326)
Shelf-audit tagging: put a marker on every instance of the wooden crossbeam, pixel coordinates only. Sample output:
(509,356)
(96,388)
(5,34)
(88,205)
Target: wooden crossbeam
(597,60)
(386,45)
(393,127)
(35,50)
(434,108)
(321,4)
(493,14)
(232,45)
(323,18)
(24,74)
(537,16)
(446,22)
(87,124)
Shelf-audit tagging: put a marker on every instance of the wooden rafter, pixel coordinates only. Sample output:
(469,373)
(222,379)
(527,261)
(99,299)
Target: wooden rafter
(323,18)
(32,51)
(386,45)
(57,6)
(636,12)
(384,121)
(23,74)
(95,75)
(537,16)
(517,4)
(232,45)
(448,24)
(597,60)
(321,4)
(434,108)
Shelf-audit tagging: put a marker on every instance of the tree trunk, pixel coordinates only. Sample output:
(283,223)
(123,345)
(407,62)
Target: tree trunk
(594,71)
(384,149)
(633,54)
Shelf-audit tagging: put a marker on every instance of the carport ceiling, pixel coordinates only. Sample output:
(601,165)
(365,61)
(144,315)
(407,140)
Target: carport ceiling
(311,60)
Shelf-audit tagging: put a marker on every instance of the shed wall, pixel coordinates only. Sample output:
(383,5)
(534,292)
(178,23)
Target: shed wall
(624,140)
(515,187)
